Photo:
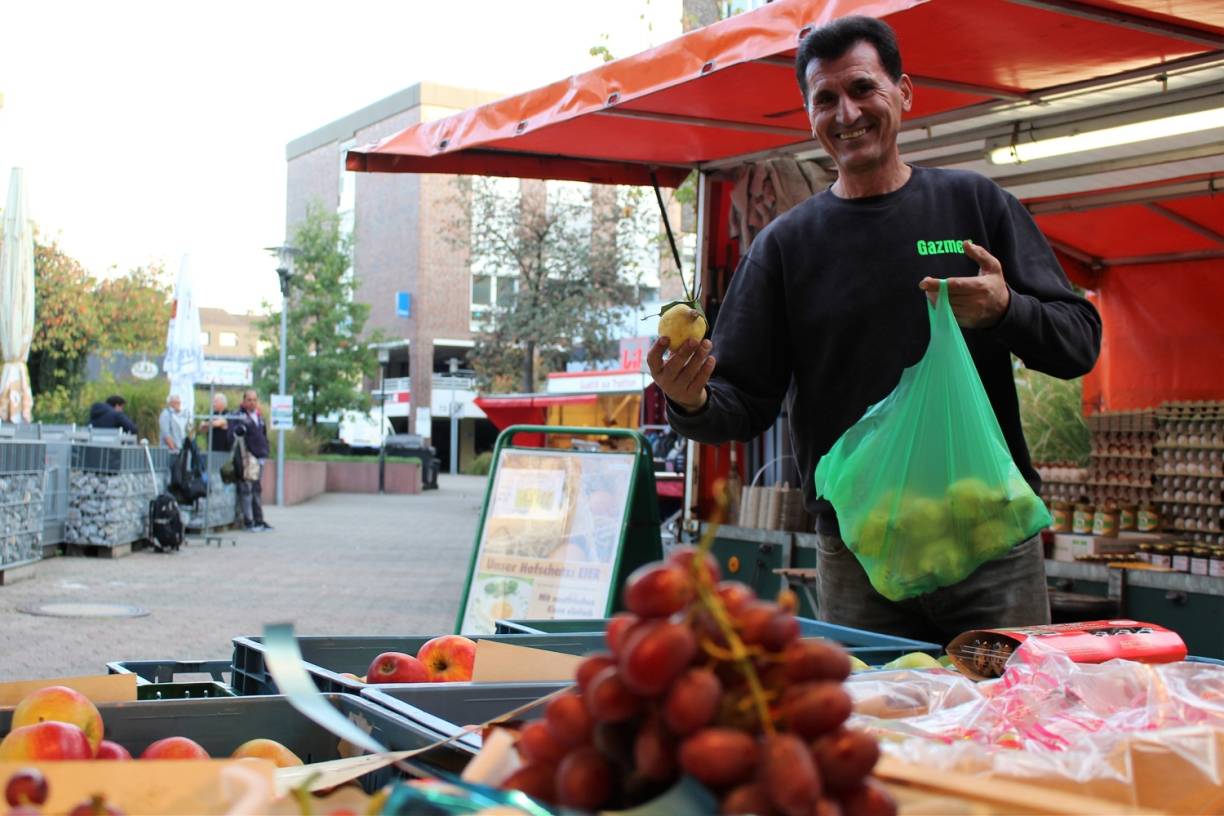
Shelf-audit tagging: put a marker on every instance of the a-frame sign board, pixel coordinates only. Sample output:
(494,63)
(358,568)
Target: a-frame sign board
(560,530)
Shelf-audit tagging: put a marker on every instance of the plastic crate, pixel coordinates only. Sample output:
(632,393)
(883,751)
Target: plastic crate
(160,679)
(1215,661)
(221,725)
(441,710)
(326,658)
(870,647)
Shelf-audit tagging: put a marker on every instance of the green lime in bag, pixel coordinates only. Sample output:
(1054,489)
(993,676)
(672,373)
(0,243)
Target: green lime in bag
(924,486)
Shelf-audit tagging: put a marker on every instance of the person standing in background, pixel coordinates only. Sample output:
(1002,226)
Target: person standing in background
(249,425)
(170,425)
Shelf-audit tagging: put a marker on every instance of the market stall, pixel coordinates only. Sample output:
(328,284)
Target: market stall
(711,698)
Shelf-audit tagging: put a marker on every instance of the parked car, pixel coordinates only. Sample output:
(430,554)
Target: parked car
(358,432)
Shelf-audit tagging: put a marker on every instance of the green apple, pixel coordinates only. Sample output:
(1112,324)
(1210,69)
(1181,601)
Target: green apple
(970,500)
(990,539)
(857,665)
(944,560)
(872,535)
(913,660)
(924,519)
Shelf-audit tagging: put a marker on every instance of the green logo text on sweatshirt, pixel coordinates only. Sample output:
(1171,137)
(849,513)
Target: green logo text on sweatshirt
(948,247)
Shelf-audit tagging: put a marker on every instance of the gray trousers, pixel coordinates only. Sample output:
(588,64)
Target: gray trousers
(1008,591)
(250,498)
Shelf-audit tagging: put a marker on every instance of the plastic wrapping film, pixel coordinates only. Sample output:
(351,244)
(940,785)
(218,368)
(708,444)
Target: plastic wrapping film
(1145,735)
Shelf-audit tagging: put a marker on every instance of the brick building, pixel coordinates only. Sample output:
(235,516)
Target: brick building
(407,264)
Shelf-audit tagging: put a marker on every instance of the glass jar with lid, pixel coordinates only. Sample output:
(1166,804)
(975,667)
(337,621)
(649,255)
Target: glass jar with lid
(1162,555)
(1200,558)
(1181,556)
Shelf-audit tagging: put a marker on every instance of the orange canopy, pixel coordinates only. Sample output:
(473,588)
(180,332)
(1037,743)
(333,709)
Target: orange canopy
(726,94)
(728,90)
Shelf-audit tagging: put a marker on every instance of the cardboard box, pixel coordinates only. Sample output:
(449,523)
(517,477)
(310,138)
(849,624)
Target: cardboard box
(1070,546)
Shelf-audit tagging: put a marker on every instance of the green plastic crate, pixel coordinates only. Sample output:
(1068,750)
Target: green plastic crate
(326,658)
(221,725)
(872,648)
(163,679)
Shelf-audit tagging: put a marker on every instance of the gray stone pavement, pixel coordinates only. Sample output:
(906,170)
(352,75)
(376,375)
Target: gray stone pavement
(341,564)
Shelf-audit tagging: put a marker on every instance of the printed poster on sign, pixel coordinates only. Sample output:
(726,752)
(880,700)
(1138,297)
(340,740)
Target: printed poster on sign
(551,537)
(282,412)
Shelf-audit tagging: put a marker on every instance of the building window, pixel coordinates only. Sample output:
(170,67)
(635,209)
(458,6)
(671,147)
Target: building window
(506,289)
(204,338)
(482,290)
(228,339)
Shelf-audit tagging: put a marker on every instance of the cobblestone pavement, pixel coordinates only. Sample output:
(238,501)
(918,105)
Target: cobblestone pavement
(341,564)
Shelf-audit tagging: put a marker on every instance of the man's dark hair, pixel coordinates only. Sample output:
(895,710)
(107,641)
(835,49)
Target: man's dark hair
(116,401)
(835,39)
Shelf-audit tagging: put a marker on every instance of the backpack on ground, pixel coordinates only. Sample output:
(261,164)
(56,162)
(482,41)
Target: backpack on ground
(165,523)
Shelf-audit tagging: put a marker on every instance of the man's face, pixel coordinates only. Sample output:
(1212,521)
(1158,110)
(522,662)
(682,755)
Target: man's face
(218,406)
(176,404)
(250,401)
(855,108)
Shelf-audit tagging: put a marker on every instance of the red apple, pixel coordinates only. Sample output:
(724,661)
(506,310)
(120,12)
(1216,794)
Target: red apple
(396,667)
(111,750)
(60,704)
(45,740)
(175,748)
(448,658)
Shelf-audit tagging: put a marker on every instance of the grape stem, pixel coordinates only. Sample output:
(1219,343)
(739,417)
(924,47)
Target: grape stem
(709,599)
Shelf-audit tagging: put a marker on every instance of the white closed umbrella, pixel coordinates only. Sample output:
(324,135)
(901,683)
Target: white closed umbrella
(184,363)
(16,304)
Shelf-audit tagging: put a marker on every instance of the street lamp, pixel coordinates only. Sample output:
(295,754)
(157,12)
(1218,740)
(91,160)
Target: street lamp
(453,364)
(284,270)
(384,357)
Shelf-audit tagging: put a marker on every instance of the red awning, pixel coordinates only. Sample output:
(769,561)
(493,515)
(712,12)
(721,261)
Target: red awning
(728,89)
(727,93)
(527,409)
(1154,254)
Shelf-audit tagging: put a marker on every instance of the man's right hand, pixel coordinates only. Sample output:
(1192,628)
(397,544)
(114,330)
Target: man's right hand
(684,374)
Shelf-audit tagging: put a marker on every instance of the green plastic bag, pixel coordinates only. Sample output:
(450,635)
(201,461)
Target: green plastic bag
(924,486)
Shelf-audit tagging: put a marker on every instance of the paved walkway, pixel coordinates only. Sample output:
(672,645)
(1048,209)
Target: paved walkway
(341,564)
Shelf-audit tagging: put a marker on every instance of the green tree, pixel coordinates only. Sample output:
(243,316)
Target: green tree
(327,356)
(134,310)
(66,324)
(568,261)
(1052,415)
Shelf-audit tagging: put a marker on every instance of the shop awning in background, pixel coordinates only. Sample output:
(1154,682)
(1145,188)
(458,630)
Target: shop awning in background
(527,409)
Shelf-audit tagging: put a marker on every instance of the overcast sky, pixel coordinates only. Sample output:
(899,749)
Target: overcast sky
(152,129)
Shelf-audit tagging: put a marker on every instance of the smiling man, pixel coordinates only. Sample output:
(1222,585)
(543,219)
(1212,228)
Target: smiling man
(829,307)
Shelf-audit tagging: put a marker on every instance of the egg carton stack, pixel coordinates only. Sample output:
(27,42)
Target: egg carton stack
(1062,481)
(1122,467)
(779,507)
(1190,470)
(109,493)
(22,477)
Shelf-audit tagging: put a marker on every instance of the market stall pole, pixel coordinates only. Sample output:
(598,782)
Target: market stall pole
(16,304)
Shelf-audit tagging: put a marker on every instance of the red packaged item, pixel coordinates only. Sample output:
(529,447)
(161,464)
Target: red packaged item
(983,653)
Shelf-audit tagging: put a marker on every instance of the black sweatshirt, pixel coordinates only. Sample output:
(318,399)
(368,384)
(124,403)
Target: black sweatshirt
(825,311)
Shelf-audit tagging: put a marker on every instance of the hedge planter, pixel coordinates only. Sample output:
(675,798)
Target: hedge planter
(362,477)
(303,481)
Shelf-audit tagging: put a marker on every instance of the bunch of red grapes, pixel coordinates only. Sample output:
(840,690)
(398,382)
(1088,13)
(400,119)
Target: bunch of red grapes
(704,679)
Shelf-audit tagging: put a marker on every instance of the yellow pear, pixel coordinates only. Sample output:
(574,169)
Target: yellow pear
(681,322)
